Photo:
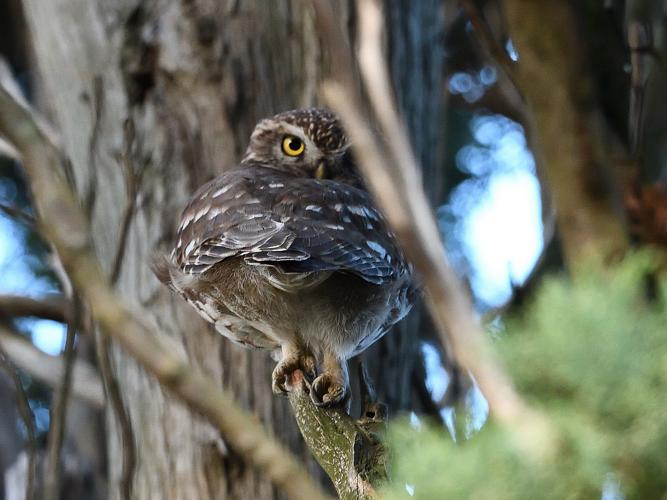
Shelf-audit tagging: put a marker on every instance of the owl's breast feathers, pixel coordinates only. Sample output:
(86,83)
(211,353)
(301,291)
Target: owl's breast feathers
(298,225)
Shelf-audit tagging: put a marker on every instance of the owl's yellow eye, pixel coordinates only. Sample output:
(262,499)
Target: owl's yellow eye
(293,146)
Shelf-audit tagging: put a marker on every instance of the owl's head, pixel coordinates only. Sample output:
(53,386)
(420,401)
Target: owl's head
(306,143)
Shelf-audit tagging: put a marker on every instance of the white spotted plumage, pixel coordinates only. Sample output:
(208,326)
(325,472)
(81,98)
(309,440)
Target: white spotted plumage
(267,245)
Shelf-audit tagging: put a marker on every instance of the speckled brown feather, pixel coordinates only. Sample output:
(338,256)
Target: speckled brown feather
(277,258)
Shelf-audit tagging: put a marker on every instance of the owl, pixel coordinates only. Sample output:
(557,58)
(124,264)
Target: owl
(287,252)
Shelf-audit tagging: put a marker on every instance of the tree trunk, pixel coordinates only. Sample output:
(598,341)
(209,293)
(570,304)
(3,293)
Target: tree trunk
(156,98)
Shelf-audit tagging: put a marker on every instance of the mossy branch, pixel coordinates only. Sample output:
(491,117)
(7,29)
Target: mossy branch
(351,452)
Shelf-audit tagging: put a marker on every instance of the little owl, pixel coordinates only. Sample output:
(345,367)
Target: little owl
(287,252)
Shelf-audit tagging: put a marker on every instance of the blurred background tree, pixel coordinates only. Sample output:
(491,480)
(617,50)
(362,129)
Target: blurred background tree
(541,132)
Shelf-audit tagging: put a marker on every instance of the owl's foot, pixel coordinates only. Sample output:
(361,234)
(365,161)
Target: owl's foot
(293,359)
(328,390)
(331,387)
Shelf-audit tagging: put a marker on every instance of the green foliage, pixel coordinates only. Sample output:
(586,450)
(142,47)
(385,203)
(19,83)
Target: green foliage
(592,355)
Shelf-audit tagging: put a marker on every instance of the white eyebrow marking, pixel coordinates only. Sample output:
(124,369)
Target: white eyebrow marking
(276,185)
(314,208)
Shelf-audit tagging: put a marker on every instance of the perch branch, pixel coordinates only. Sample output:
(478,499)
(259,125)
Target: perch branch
(349,451)
(63,222)
(26,417)
(53,307)
(86,385)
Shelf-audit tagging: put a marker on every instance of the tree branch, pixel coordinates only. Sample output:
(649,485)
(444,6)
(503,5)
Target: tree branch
(63,223)
(18,214)
(349,451)
(86,384)
(394,178)
(53,307)
(390,170)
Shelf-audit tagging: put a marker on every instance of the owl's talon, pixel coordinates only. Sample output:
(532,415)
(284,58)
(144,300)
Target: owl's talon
(292,361)
(327,391)
(281,374)
(309,367)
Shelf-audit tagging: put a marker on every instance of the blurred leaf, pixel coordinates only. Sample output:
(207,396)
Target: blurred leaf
(592,354)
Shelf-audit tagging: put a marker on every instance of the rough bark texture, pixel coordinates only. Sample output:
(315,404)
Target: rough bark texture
(171,90)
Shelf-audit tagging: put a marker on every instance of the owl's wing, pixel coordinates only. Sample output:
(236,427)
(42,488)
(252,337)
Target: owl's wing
(298,225)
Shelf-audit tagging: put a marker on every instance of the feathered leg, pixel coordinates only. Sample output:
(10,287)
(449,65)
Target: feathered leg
(293,358)
(331,387)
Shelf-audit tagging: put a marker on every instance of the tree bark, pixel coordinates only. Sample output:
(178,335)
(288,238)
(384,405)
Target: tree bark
(152,99)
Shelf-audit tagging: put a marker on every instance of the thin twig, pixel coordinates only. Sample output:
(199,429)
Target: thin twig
(98,113)
(133,177)
(63,223)
(511,91)
(114,396)
(18,214)
(494,46)
(7,150)
(26,416)
(391,171)
(53,307)
(59,409)
(86,384)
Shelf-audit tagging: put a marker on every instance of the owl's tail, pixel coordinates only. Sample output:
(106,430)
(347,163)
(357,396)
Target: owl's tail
(161,266)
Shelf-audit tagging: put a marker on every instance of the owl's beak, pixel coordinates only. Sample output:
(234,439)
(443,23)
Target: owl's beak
(321,171)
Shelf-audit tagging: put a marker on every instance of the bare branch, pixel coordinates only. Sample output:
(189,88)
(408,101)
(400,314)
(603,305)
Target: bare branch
(489,41)
(86,384)
(7,150)
(18,214)
(59,408)
(53,307)
(391,171)
(63,222)
(112,390)
(26,417)
(133,175)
